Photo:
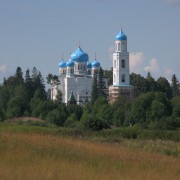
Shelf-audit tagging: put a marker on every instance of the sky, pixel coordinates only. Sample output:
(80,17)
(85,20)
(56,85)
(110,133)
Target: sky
(35,33)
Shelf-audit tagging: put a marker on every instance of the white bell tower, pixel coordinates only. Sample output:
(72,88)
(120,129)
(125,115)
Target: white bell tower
(121,78)
(121,61)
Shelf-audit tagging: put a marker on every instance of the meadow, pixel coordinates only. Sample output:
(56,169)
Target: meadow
(35,152)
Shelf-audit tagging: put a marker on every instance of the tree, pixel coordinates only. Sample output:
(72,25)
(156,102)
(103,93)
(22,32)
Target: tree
(59,97)
(94,94)
(157,110)
(121,111)
(150,84)
(19,76)
(141,107)
(101,87)
(52,79)
(76,110)
(29,85)
(57,116)
(164,86)
(176,106)
(109,75)
(15,107)
(161,97)
(139,82)
(175,85)
(38,84)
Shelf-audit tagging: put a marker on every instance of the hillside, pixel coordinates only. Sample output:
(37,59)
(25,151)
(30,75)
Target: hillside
(42,153)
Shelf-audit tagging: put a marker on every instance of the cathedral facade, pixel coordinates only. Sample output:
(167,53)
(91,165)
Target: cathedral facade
(76,75)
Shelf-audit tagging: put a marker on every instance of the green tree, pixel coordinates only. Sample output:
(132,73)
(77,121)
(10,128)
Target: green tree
(19,76)
(141,107)
(29,85)
(58,97)
(121,111)
(94,94)
(15,107)
(39,86)
(157,110)
(150,84)
(176,106)
(139,82)
(164,86)
(76,110)
(175,85)
(109,75)
(57,117)
(101,87)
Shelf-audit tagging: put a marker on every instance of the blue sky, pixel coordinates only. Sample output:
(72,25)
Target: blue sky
(37,32)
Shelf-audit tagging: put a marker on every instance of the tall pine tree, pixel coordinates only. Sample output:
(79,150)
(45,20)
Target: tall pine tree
(175,85)
(29,85)
(94,94)
(101,87)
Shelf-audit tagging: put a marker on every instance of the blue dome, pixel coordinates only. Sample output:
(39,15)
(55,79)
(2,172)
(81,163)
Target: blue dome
(70,63)
(121,36)
(79,56)
(95,64)
(62,64)
(89,65)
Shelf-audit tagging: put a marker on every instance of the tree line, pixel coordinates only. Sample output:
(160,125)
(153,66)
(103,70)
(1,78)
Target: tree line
(157,105)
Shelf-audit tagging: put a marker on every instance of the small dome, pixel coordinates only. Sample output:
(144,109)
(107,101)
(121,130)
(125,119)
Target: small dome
(62,64)
(70,63)
(89,65)
(121,36)
(79,56)
(95,64)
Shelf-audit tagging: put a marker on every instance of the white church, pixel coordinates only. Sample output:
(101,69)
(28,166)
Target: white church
(76,75)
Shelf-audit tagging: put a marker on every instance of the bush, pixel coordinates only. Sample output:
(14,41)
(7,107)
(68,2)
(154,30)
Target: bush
(71,122)
(94,123)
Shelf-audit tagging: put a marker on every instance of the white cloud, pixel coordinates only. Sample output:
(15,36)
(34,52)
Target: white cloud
(153,66)
(173,2)
(3,68)
(135,61)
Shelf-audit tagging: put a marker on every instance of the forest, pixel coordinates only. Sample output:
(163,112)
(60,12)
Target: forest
(157,105)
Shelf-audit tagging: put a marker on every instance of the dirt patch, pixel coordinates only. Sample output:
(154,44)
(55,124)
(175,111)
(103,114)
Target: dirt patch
(24,119)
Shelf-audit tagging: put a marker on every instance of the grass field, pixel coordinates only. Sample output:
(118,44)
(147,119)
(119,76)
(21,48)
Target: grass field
(41,153)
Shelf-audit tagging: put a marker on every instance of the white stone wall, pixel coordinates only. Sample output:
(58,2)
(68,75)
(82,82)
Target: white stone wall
(79,86)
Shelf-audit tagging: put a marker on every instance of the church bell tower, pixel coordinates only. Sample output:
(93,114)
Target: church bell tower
(121,75)
(121,61)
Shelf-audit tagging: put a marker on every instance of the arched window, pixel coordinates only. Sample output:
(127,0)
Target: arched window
(123,63)
(119,46)
(78,66)
(123,78)
(114,63)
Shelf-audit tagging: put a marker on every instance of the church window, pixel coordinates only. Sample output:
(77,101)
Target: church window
(119,45)
(78,66)
(114,63)
(123,63)
(123,78)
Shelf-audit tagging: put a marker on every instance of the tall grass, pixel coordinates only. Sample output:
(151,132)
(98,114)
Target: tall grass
(45,156)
